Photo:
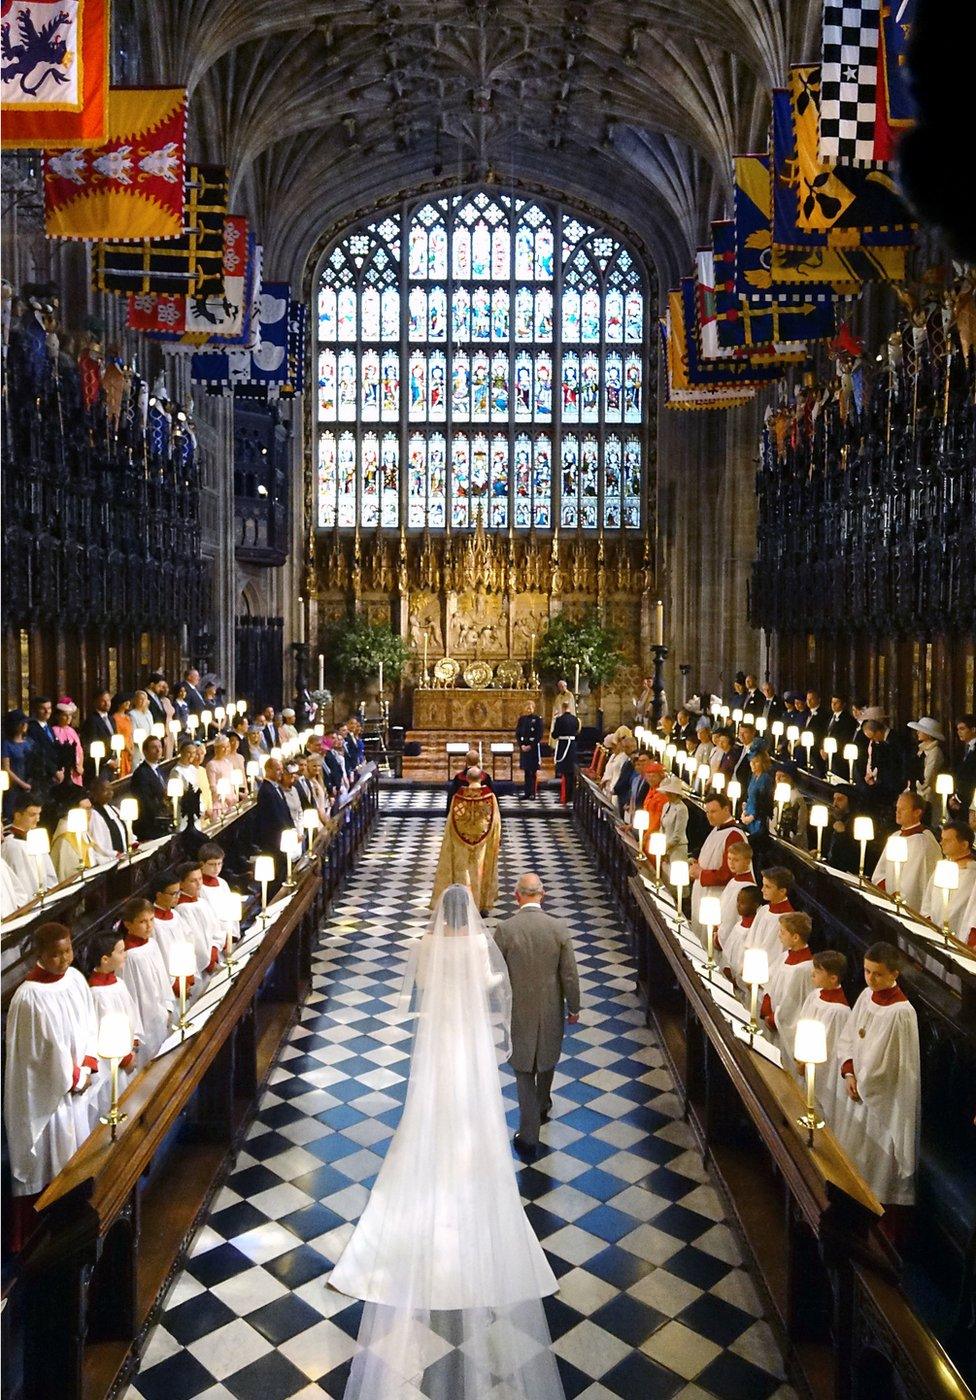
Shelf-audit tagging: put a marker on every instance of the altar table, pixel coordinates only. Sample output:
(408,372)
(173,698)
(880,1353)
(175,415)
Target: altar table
(464,711)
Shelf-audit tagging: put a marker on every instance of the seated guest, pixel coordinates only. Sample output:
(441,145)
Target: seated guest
(798,714)
(334,764)
(880,1066)
(838,845)
(356,730)
(758,806)
(146,977)
(665,727)
(46,757)
(704,747)
(99,726)
(460,780)
(748,900)
(738,695)
(200,918)
(272,814)
(303,784)
(30,871)
(119,715)
(789,820)
(155,689)
(963,799)
(790,980)
(923,852)
(930,759)
(726,754)
(777,884)
(50,1039)
(827,1003)
(742,771)
(148,786)
(107,958)
(72,754)
(13,895)
(141,721)
(673,819)
(956,840)
(219,770)
(71,851)
(841,727)
(648,794)
(739,857)
(16,751)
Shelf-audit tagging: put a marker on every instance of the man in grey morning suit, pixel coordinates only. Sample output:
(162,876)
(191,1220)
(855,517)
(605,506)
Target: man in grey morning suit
(538,951)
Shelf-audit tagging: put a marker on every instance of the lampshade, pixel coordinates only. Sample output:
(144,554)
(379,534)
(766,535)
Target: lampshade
(748,718)
(657,843)
(193,723)
(114,1039)
(737,716)
(734,790)
(174,787)
(710,911)
(679,873)
(819,815)
(232,907)
(174,727)
(206,717)
(38,842)
(240,781)
(793,734)
(252,768)
(896,849)
(946,875)
(670,750)
(703,771)
(863,829)
(96,751)
(318,729)
(158,730)
(264,869)
(290,842)
(276,753)
(806,738)
(311,823)
(782,793)
(762,724)
(945,784)
(182,962)
(639,733)
(220,714)
(718,782)
(117,743)
(76,820)
(851,752)
(810,1042)
(225,788)
(129,810)
(755,967)
(830,746)
(241,706)
(777,728)
(642,820)
(4,780)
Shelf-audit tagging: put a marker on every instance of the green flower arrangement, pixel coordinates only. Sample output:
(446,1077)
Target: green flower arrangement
(355,649)
(584,642)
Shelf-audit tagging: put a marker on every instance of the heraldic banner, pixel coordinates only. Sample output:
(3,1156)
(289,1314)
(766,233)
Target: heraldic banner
(132,185)
(54,77)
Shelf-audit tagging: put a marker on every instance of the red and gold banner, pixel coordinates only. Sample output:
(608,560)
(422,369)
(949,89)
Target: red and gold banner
(54,77)
(131,186)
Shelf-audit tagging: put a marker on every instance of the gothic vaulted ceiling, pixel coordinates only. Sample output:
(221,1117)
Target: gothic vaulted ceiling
(324,107)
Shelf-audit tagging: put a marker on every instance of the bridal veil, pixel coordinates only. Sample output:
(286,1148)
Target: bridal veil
(449,1267)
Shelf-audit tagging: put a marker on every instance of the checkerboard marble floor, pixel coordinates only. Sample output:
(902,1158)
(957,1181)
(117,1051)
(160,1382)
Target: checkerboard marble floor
(403,799)
(654,1300)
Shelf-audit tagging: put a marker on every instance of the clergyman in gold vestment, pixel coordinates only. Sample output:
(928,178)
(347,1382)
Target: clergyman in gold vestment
(469,850)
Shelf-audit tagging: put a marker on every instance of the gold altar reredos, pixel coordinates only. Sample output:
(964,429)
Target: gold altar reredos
(478,594)
(463,711)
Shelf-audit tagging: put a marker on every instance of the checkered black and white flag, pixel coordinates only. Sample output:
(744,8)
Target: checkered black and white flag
(849,81)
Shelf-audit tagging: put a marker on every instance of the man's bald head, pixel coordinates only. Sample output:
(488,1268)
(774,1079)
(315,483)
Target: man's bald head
(529,889)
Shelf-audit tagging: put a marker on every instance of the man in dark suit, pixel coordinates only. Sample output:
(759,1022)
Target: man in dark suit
(269,729)
(816,723)
(772,706)
(839,847)
(272,814)
(98,724)
(148,785)
(841,725)
(753,698)
(303,787)
(46,760)
(350,749)
(528,736)
(194,700)
(964,769)
(879,775)
(155,687)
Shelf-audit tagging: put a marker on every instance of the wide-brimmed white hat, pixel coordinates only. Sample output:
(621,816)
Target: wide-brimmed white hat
(672,785)
(927,725)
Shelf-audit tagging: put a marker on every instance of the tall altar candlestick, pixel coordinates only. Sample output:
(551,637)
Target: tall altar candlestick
(381,678)
(659,623)
(321,671)
(532,650)
(576,680)
(425,651)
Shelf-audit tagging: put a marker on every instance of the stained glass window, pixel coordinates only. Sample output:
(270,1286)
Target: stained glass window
(497,347)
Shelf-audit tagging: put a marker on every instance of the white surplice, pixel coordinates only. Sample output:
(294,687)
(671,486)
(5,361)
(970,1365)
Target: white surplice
(923,852)
(51,1034)
(711,857)
(25,866)
(151,988)
(13,896)
(114,996)
(790,982)
(727,899)
(832,1010)
(934,905)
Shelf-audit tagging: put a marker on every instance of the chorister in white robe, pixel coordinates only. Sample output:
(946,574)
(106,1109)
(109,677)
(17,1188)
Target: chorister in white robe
(51,1036)
(923,852)
(169,929)
(967,924)
(737,939)
(13,896)
(25,866)
(213,892)
(880,1134)
(765,930)
(715,871)
(109,994)
(151,989)
(790,982)
(934,905)
(727,899)
(829,1007)
(205,932)
(71,853)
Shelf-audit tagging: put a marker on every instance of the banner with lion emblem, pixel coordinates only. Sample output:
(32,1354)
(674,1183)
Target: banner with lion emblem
(54,72)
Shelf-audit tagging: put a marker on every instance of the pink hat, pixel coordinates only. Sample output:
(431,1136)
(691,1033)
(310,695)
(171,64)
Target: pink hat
(66,703)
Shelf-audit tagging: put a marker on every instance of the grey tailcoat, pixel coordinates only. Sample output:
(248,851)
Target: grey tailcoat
(542,967)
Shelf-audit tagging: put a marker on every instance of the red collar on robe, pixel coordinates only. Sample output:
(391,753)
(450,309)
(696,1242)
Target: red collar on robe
(40,974)
(888,996)
(131,942)
(162,913)
(834,994)
(212,882)
(747,879)
(748,923)
(188,899)
(728,826)
(17,834)
(102,979)
(798,955)
(915,830)
(783,907)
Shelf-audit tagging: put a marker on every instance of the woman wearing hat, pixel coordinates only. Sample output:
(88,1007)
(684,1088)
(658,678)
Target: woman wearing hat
(62,727)
(931,755)
(674,819)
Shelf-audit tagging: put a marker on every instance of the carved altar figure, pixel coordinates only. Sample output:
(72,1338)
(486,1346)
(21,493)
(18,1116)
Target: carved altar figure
(469,849)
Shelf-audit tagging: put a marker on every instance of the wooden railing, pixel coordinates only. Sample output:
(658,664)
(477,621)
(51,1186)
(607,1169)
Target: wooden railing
(808,1217)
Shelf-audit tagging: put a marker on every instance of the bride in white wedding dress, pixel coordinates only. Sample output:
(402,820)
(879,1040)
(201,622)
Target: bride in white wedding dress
(443,1254)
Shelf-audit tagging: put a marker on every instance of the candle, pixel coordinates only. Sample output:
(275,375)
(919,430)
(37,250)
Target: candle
(38,845)
(659,623)
(734,791)
(793,737)
(810,1050)
(710,914)
(321,671)
(896,854)
(129,812)
(944,786)
(657,844)
(850,753)
(174,791)
(290,847)
(264,869)
(830,749)
(381,678)
(679,879)
(806,739)
(945,877)
(576,680)
(182,966)
(532,649)
(781,795)
(755,973)
(480,756)
(426,639)
(642,820)
(819,818)
(863,833)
